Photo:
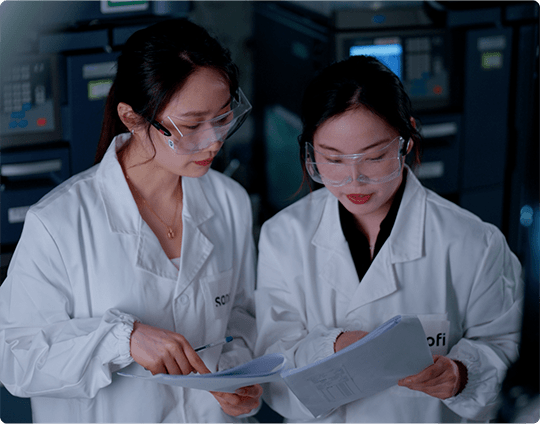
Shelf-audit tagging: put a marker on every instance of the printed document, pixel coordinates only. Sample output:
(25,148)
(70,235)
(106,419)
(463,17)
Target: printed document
(395,350)
(261,370)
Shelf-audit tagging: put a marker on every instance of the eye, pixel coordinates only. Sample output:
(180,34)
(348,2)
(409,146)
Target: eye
(224,120)
(192,127)
(335,161)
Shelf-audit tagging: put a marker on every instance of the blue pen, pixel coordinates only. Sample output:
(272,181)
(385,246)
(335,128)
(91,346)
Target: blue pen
(225,340)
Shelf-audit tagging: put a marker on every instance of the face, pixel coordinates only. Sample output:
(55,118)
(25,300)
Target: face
(205,96)
(356,132)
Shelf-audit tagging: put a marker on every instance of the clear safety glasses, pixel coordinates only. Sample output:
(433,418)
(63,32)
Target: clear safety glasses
(186,137)
(377,166)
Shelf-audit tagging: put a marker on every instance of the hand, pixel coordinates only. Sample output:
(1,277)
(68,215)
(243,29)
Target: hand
(245,400)
(164,352)
(347,338)
(442,380)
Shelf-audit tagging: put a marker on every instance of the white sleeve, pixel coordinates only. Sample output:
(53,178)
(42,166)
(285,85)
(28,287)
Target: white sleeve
(491,331)
(44,351)
(282,328)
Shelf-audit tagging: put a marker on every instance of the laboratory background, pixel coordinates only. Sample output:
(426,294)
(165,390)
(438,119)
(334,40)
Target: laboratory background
(470,69)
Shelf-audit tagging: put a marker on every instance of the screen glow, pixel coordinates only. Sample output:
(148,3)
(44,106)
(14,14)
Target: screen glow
(389,54)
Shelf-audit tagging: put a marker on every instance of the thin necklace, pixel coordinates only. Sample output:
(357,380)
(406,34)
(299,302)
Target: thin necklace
(170,231)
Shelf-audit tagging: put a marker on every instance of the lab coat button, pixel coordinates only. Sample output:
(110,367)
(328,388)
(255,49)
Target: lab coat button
(184,299)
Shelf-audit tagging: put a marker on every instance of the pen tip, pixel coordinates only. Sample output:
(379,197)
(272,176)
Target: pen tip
(228,339)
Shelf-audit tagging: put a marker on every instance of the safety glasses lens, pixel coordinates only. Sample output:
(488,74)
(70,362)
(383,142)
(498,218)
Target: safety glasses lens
(379,166)
(192,137)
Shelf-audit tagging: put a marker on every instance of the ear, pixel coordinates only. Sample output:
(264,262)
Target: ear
(128,117)
(410,144)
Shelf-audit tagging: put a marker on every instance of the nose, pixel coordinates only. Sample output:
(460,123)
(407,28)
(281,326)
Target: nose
(356,172)
(209,138)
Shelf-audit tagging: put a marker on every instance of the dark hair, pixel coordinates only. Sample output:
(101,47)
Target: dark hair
(359,81)
(154,65)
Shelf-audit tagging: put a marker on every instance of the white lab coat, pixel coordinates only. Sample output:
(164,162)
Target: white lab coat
(440,263)
(87,266)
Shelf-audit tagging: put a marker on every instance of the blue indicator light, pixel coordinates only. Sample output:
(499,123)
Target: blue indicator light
(23,123)
(526,216)
(378,19)
(13,124)
(17,115)
(26,106)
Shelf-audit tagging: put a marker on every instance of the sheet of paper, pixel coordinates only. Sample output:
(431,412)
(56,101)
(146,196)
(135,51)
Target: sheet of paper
(261,370)
(395,350)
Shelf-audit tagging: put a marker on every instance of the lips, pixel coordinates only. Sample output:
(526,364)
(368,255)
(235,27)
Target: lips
(358,199)
(204,162)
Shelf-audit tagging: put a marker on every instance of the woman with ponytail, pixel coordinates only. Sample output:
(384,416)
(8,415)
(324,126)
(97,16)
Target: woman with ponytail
(143,257)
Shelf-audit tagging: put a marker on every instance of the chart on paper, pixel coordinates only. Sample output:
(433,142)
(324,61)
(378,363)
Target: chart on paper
(336,383)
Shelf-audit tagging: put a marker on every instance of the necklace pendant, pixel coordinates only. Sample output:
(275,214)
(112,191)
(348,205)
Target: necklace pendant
(170,233)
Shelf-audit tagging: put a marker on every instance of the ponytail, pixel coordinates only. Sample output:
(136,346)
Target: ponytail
(111,127)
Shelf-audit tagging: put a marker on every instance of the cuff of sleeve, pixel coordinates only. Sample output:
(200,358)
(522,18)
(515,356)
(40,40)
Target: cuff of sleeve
(479,398)
(326,346)
(122,333)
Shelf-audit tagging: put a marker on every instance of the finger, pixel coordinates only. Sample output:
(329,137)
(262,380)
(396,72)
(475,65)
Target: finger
(254,391)
(185,365)
(188,359)
(429,373)
(172,366)
(229,399)
(158,369)
(420,378)
(195,360)
(435,382)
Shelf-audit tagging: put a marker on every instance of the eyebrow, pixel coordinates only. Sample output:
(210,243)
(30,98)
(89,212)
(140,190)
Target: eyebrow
(377,143)
(196,113)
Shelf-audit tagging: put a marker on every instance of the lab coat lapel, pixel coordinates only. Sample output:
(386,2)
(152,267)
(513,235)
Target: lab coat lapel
(404,244)
(122,212)
(196,247)
(406,241)
(124,217)
(333,257)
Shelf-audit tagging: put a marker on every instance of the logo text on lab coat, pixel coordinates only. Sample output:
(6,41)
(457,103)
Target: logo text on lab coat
(222,300)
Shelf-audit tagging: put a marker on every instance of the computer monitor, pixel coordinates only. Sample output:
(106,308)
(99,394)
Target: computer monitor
(389,54)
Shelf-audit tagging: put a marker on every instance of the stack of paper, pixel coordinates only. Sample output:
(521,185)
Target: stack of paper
(261,370)
(395,350)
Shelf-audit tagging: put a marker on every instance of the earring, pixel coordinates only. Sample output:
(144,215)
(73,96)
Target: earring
(132,131)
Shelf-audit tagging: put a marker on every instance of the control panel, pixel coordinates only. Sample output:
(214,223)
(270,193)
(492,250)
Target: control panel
(29,104)
(420,59)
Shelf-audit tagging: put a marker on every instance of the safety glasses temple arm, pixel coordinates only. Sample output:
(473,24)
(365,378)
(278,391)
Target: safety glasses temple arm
(161,128)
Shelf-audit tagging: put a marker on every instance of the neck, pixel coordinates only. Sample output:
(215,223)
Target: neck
(370,224)
(155,183)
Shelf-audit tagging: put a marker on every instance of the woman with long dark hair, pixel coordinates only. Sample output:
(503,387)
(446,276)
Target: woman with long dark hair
(143,257)
(373,243)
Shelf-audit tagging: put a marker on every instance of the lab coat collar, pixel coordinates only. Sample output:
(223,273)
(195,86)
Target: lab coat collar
(406,238)
(196,208)
(121,209)
(404,244)
(124,217)
(406,241)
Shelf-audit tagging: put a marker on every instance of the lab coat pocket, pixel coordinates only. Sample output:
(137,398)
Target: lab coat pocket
(437,329)
(218,292)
